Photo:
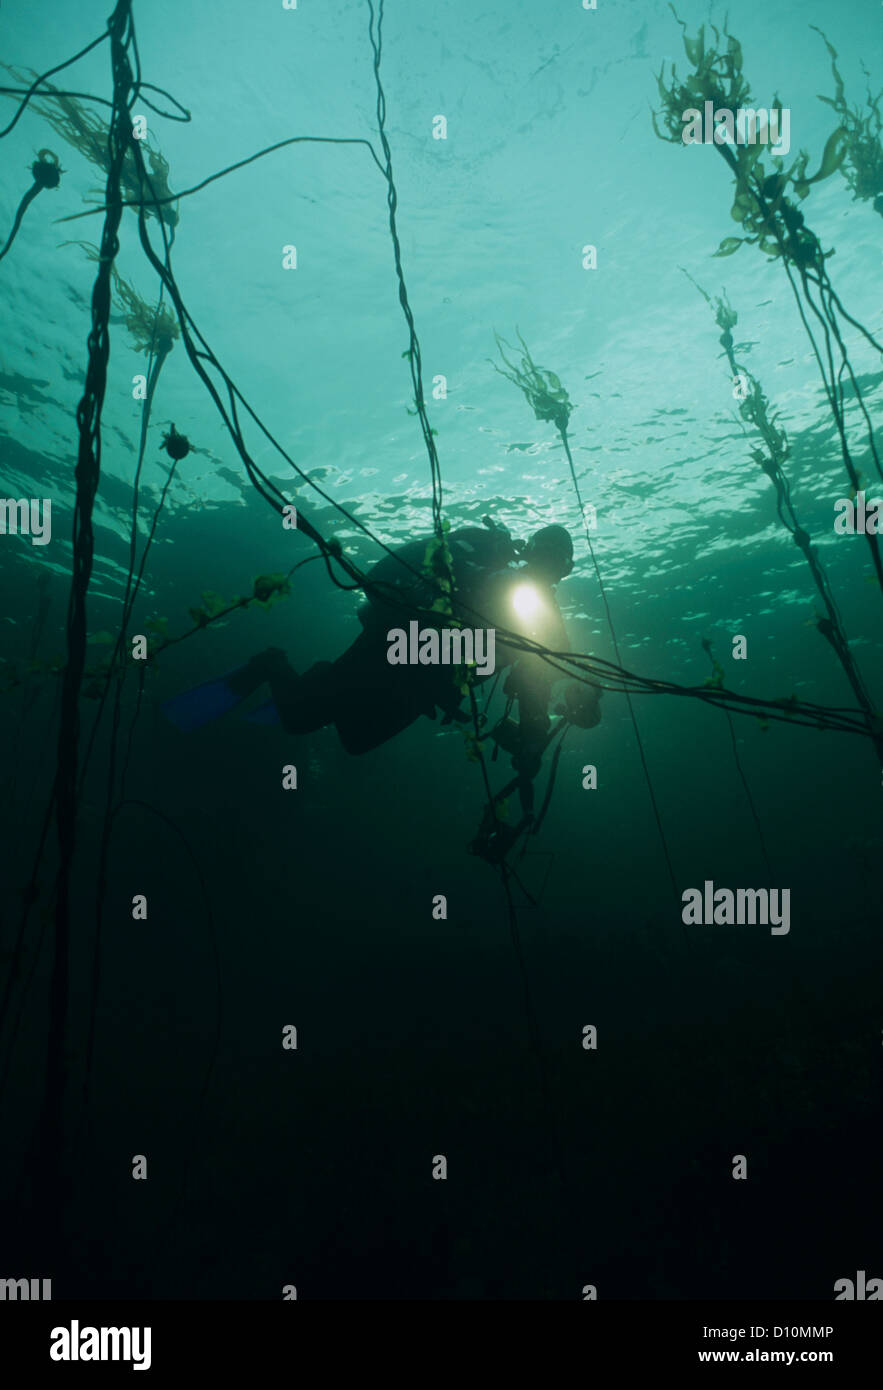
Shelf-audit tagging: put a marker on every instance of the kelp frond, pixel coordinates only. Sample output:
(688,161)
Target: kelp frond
(88,133)
(543,390)
(152,330)
(862,165)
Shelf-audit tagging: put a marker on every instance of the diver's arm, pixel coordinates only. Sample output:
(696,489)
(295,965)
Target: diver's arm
(528,683)
(556,638)
(533,722)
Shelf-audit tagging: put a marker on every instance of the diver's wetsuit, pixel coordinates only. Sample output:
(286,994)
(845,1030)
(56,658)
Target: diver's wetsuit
(369,700)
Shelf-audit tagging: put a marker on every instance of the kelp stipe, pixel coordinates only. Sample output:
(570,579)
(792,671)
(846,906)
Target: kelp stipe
(754,410)
(549,401)
(48,1148)
(715,681)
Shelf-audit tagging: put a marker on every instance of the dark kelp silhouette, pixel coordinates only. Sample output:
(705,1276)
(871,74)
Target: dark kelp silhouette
(136,177)
(862,162)
(765,205)
(771,456)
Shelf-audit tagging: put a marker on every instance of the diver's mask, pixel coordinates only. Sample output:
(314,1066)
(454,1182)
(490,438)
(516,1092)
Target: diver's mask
(549,553)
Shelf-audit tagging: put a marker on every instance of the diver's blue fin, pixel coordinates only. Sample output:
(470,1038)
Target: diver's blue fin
(202,705)
(264,714)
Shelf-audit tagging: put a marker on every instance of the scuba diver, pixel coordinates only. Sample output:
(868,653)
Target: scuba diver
(510,584)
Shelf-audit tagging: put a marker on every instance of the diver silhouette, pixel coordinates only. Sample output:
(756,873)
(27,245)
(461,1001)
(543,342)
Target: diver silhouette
(369,700)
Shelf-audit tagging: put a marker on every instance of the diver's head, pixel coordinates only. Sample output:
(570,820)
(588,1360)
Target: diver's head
(549,554)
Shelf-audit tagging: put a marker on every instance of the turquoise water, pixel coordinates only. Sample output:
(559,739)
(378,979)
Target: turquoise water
(414,1034)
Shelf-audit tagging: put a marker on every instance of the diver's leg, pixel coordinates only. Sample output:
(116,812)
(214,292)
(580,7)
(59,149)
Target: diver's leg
(303,701)
(260,669)
(359,693)
(374,701)
(367,700)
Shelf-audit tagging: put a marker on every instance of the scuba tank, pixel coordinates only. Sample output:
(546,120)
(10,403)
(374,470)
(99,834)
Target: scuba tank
(475,552)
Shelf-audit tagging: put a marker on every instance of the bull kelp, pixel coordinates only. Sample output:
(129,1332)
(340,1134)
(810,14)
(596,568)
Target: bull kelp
(346,342)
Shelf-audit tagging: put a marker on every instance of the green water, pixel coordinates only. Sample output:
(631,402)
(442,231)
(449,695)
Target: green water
(416,1037)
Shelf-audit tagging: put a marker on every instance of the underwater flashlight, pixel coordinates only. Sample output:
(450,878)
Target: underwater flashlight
(526,600)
